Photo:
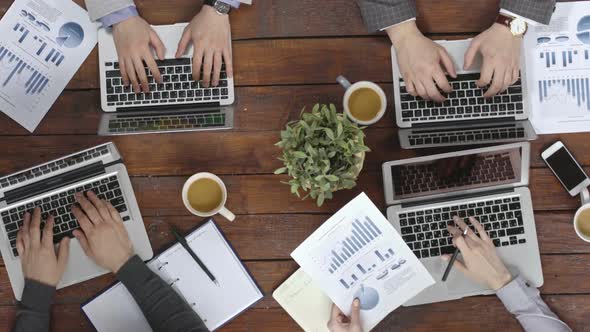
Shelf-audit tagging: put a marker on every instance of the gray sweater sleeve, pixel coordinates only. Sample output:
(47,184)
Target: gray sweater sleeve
(164,309)
(32,314)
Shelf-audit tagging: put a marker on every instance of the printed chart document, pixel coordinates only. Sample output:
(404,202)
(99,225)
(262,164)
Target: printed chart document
(557,64)
(358,254)
(43,44)
(305,302)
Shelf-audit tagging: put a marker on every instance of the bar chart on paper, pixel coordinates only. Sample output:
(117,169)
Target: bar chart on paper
(18,77)
(350,253)
(570,92)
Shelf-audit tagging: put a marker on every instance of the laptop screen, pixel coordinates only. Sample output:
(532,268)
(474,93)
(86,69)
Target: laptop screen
(447,175)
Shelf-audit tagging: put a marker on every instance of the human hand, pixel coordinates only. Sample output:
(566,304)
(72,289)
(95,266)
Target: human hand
(209,33)
(501,58)
(481,262)
(133,38)
(104,237)
(419,60)
(37,253)
(340,323)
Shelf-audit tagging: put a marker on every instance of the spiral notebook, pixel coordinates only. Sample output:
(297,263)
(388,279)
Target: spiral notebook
(115,309)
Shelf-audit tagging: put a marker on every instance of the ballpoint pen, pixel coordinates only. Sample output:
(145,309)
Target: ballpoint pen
(453,259)
(185,245)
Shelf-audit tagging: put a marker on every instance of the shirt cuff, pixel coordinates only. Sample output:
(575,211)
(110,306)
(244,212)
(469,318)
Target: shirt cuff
(408,20)
(37,296)
(527,20)
(517,295)
(118,16)
(233,3)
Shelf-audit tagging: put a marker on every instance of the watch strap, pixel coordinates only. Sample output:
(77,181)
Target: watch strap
(504,20)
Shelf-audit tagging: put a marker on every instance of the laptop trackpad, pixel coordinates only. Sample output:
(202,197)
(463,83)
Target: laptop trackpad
(457,283)
(79,267)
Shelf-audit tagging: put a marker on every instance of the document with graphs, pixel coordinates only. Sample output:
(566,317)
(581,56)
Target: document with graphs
(358,254)
(557,61)
(43,44)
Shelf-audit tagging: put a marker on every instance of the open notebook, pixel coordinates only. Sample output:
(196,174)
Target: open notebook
(303,300)
(116,310)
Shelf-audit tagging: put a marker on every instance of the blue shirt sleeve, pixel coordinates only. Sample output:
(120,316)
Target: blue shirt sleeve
(118,16)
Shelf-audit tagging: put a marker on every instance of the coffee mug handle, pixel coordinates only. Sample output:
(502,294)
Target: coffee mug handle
(227,214)
(343,81)
(585,196)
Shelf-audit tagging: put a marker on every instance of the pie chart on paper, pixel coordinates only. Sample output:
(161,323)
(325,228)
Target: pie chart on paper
(583,32)
(70,35)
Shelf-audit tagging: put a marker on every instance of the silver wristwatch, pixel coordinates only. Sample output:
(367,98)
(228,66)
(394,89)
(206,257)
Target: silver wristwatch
(221,7)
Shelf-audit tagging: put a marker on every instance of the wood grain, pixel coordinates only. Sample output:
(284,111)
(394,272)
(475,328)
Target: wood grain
(485,314)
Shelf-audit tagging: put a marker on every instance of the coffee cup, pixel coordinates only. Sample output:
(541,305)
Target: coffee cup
(582,217)
(205,195)
(364,102)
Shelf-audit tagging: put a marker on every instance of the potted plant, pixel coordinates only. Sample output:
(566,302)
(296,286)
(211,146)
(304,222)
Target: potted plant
(322,152)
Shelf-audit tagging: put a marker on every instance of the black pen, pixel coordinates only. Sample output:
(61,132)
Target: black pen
(453,259)
(185,245)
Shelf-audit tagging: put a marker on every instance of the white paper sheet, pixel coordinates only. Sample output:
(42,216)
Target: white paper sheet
(44,42)
(305,302)
(557,61)
(358,254)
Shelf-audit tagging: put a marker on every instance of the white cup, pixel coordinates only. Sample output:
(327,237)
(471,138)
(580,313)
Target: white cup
(585,197)
(350,88)
(221,209)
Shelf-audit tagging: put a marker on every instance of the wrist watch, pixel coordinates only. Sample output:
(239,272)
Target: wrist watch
(517,26)
(220,7)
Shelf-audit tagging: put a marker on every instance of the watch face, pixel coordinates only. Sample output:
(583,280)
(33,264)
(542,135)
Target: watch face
(518,27)
(222,7)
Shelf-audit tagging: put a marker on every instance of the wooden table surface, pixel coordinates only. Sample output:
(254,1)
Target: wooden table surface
(287,55)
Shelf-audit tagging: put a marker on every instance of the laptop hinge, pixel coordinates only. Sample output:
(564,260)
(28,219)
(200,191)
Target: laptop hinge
(458,197)
(58,181)
(169,107)
(459,123)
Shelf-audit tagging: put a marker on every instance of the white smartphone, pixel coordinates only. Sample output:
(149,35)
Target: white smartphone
(566,168)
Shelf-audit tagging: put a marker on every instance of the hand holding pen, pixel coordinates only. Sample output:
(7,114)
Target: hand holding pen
(480,261)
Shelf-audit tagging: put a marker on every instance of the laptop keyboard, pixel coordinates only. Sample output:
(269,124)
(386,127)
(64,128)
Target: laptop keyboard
(466,102)
(178,86)
(59,206)
(163,123)
(466,136)
(425,231)
(420,178)
(54,166)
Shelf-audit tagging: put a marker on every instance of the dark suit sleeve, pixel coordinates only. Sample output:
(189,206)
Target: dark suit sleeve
(380,14)
(164,309)
(32,314)
(536,10)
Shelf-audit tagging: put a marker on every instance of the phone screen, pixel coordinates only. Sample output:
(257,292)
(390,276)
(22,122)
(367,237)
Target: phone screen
(566,168)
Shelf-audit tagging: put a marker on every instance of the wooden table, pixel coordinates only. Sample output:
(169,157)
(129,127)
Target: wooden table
(287,55)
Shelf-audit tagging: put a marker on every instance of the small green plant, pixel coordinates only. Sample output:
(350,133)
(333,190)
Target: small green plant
(323,152)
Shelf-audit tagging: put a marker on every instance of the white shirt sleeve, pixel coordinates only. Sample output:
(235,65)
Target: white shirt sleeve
(408,20)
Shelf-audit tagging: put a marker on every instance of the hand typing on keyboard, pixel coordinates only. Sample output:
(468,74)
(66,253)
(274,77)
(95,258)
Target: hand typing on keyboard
(209,32)
(103,236)
(501,58)
(480,260)
(420,61)
(133,38)
(37,252)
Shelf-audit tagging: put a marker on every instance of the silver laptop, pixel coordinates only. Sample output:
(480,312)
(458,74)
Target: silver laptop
(51,187)
(490,184)
(180,103)
(465,118)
